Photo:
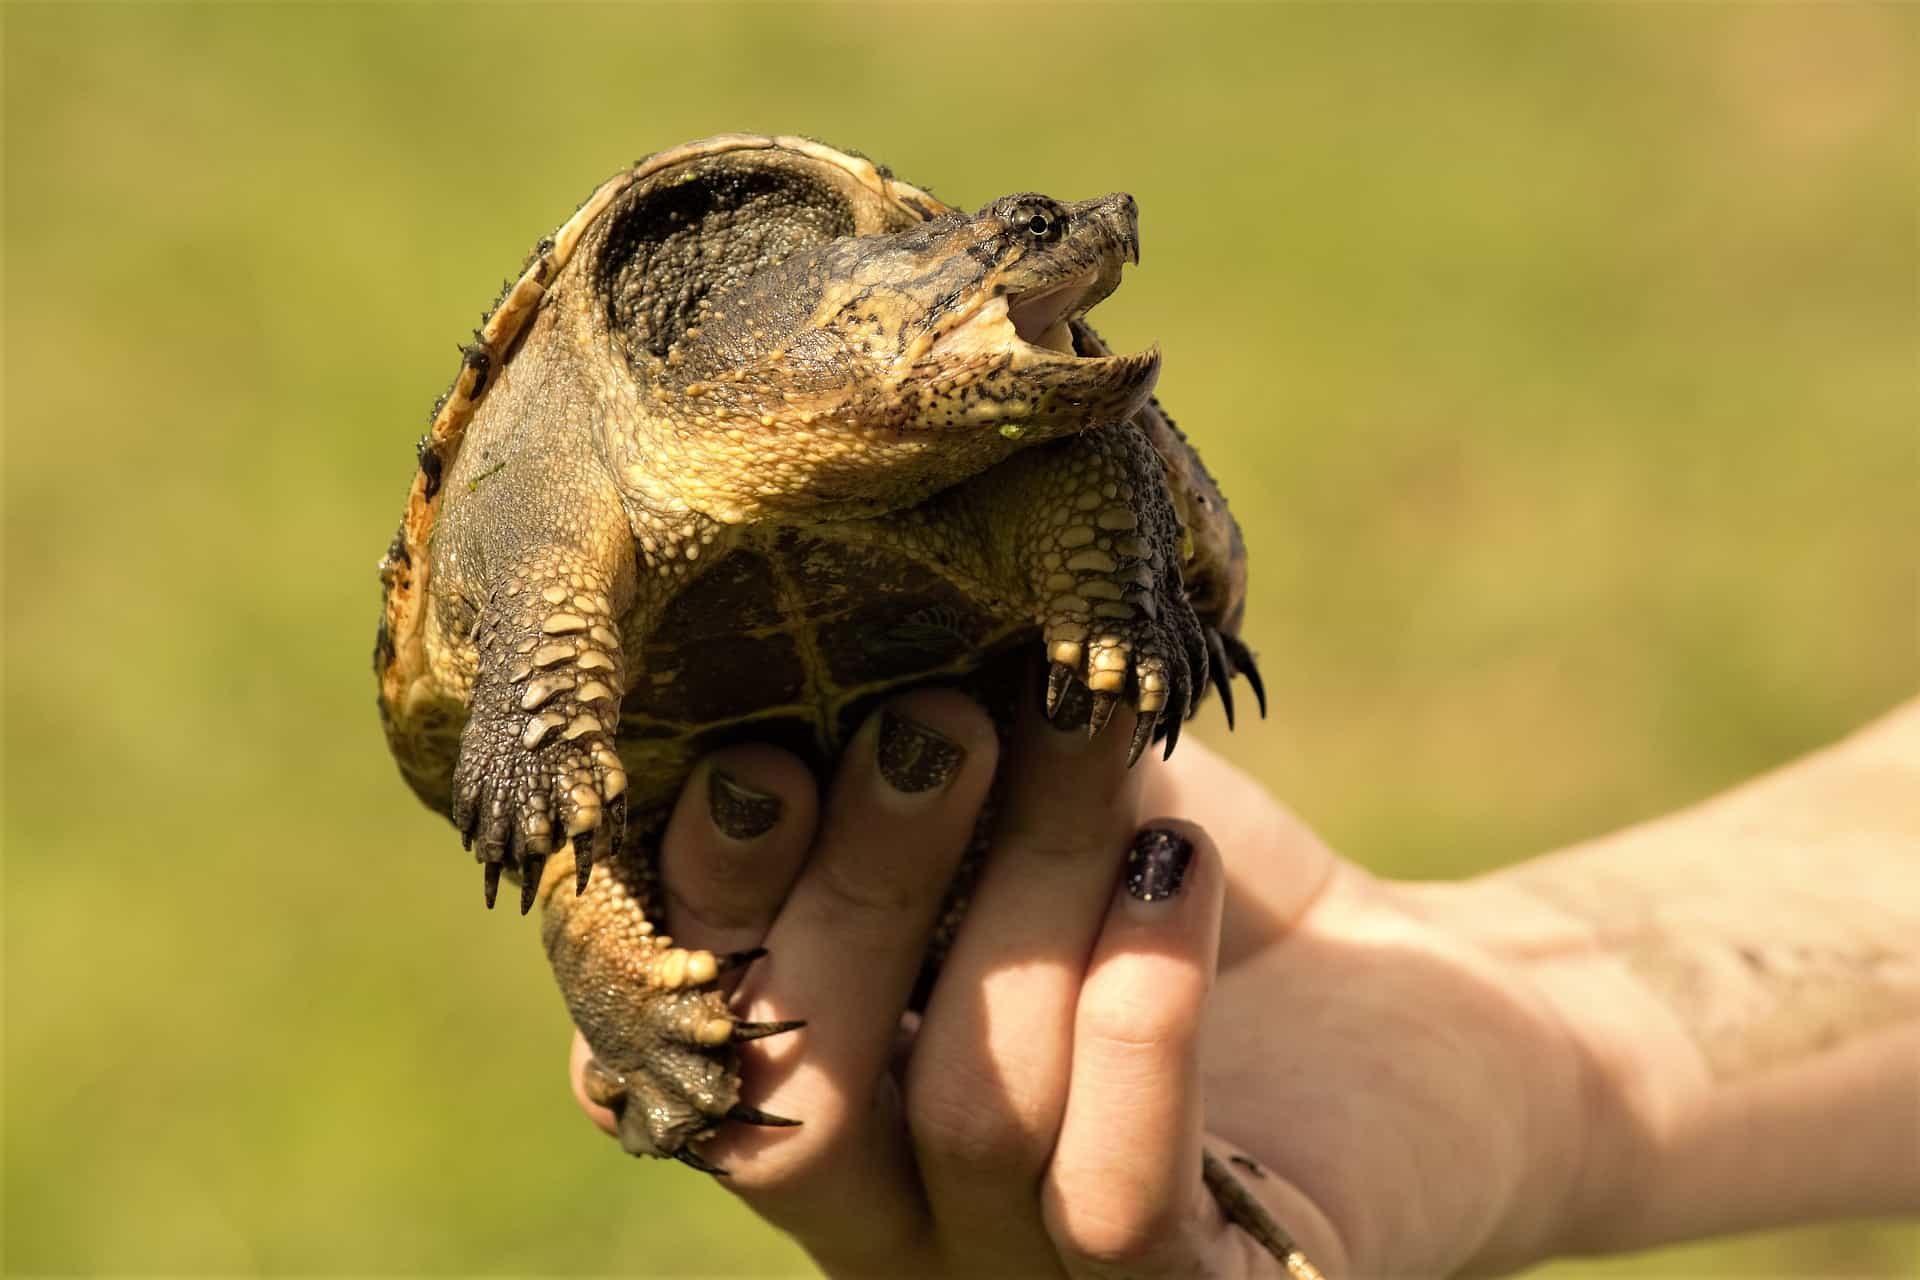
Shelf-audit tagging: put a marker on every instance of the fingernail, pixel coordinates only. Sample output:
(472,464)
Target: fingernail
(913,758)
(1157,865)
(740,812)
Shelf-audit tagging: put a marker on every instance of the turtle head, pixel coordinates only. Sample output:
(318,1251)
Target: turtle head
(869,371)
(988,333)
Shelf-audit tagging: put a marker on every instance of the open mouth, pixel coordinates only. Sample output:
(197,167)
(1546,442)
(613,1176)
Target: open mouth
(1041,318)
(1037,324)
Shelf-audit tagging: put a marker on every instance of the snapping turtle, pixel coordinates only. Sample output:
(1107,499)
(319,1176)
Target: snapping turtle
(759,436)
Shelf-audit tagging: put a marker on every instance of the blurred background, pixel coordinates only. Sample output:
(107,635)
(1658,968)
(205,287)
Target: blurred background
(1560,363)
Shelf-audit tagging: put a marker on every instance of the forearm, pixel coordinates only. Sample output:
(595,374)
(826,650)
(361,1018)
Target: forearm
(1747,977)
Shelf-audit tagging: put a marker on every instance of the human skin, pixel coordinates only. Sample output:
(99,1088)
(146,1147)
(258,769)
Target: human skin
(1704,1024)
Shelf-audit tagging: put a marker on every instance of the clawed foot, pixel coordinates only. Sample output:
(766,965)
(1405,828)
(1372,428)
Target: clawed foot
(1153,666)
(680,1080)
(538,769)
(516,808)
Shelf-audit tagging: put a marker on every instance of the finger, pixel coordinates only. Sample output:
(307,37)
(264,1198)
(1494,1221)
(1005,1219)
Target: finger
(844,953)
(1277,868)
(1124,1191)
(988,1082)
(734,844)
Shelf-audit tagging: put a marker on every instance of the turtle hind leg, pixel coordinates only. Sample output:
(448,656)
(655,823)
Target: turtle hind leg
(664,1040)
(1247,1213)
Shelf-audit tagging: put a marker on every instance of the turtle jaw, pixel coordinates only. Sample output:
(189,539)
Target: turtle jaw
(1077,392)
(1018,355)
(1017,343)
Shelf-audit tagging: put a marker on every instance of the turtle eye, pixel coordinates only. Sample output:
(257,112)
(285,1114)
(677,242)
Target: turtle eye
(1030,218)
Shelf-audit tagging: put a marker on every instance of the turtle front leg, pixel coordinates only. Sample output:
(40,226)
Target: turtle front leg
(537,767)
(1086,531)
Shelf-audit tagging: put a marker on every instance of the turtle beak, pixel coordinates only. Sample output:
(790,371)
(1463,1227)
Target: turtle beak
(1125,213)
(1116,216)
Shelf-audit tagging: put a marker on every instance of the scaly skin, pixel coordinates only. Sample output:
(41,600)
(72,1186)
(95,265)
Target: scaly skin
(929,394)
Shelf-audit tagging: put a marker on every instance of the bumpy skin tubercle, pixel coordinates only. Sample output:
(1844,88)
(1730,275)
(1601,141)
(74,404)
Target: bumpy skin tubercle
(759,437)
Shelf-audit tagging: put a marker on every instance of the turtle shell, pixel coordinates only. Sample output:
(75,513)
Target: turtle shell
(789,193)
(792,640)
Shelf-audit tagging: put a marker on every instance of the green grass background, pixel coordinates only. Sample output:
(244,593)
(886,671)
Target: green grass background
(1560,361)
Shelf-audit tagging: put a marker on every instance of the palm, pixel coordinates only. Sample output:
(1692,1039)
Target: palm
(1404,1090)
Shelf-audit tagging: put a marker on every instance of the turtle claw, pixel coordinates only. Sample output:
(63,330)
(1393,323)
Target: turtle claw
(530,881)
(694,1160)
(491,875)
(583,852)
(1220,673)
(1059,677)
(747,1114)
(519,807)
(1158,669)
(1142,735)
(1103,705)
(591,846)
(744,1031)
(1240,662)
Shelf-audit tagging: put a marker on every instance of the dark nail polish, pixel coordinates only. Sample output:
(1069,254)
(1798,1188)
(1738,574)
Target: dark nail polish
(913,758)
(738,810)
(1157,864)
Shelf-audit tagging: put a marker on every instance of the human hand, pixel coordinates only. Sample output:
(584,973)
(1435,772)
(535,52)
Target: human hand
(1402,1097)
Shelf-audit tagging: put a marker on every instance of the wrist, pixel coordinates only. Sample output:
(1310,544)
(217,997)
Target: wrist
(1594,1046)
(1681,1146)
(1641,1085)
(1741,979)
